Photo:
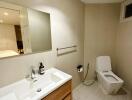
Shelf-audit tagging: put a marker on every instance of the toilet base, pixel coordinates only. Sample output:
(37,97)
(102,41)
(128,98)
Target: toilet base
(108,88)
(106,92)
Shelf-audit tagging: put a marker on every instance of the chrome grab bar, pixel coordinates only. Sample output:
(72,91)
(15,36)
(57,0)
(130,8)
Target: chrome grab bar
(66,47)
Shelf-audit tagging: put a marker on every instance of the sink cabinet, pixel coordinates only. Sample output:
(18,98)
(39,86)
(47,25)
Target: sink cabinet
(62,93)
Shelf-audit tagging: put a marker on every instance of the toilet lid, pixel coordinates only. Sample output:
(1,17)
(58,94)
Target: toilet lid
(103,63)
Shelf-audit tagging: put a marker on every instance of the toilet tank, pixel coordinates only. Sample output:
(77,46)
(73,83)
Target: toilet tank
(103,63)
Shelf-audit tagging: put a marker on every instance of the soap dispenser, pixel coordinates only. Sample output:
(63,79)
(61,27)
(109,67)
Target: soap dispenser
(41,69)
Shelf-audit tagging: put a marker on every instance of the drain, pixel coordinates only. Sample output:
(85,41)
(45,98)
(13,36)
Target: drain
(39,90)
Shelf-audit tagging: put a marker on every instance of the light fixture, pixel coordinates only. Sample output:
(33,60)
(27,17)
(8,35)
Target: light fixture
(1,21)
(6,14)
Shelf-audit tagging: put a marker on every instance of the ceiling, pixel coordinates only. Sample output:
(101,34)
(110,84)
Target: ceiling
(102,1)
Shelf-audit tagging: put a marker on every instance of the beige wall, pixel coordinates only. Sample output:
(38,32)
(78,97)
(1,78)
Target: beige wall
(124,52)
(67,17)
(101,22)
(7,37)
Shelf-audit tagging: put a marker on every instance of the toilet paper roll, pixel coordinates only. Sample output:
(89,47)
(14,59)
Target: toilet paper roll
(80,70)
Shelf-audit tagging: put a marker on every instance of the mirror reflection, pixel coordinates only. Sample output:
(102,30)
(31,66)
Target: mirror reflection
(23,30)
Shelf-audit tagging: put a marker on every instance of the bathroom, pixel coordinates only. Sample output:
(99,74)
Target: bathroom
(80,31)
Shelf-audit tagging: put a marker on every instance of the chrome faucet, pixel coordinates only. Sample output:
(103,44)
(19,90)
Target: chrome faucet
(33,74)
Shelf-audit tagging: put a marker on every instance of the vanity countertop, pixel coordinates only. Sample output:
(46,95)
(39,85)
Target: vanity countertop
(35,90)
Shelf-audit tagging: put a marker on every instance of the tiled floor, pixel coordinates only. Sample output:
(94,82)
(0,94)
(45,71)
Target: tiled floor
(94,92)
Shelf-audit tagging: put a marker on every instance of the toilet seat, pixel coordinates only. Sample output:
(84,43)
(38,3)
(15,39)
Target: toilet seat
(110,77)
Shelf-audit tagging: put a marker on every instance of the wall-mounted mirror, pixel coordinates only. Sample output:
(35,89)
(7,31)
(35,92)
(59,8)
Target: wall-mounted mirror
(23,30)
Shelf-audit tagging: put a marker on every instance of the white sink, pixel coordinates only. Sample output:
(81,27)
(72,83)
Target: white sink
(10,96)
(46,80)
(45,84)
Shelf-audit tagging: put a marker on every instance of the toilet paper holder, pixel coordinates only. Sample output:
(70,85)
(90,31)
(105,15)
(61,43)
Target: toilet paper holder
(80,68)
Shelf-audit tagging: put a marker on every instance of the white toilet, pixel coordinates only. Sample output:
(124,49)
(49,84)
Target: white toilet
(109,82)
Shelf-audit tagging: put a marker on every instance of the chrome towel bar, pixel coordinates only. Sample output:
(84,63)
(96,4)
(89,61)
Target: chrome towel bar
(74,46)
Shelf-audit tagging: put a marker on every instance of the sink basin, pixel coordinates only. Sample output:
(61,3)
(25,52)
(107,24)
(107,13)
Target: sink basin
(36,90)
(44,82)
